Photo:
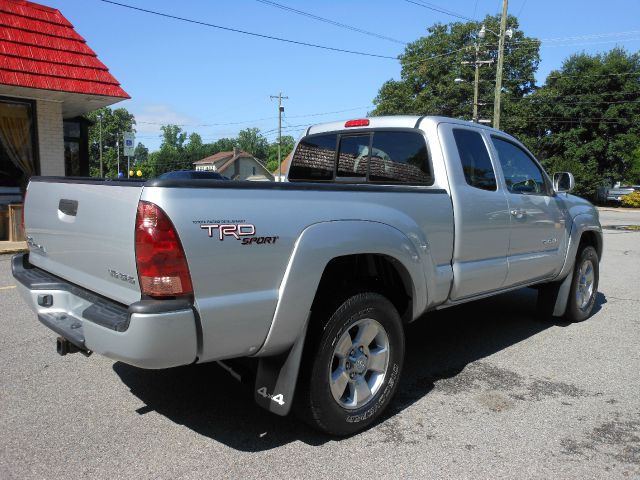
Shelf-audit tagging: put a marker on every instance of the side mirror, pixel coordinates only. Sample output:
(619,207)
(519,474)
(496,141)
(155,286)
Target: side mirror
(563,182)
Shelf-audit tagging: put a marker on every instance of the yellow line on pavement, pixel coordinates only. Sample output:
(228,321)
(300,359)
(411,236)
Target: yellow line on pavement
(7,287)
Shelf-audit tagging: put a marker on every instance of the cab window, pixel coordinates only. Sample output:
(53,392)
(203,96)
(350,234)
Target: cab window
(314,159)
(353,156)
(378,156)
(521,174)
(400,157)
(476,163)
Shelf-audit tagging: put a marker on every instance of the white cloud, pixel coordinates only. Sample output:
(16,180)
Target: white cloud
(150,117)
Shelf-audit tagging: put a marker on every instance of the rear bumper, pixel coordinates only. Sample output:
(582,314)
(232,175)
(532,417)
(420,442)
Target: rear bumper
(147,334)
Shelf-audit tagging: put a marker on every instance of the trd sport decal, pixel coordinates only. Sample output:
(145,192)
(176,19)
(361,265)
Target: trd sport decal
(244,232)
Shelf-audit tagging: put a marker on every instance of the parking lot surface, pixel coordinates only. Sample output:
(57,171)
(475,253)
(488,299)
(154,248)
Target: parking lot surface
(488,391)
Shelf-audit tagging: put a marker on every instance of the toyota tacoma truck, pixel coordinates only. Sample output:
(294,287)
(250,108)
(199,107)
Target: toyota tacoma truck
(380,221)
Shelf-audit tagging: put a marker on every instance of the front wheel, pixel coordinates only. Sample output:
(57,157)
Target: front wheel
(584,285)
(354,365)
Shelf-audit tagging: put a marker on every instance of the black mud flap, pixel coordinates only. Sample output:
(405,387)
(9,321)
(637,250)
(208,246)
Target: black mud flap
(554,297)
(562,299)
(277,377)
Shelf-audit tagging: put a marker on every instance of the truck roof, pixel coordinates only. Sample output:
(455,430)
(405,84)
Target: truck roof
(392,121)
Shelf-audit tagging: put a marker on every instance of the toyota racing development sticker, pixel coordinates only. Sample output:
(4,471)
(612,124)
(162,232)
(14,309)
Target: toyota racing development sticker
(245,233)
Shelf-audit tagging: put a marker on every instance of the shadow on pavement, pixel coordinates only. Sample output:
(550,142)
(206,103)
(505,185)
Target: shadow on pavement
(207,400)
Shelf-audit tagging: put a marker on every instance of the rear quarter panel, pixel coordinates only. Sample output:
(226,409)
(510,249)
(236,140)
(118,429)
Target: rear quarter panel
(237,287)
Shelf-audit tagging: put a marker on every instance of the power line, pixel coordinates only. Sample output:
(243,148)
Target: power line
(592,35)
(331,22)
(436,8)
(605,121)
(207,124)
(244,32)
(521,8)
(579,75)
(579,102)
(249,121)
(510,45)
(433,57)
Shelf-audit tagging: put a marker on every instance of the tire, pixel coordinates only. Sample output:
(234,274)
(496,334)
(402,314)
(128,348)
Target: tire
(346,383)
(584,286)
(579,308)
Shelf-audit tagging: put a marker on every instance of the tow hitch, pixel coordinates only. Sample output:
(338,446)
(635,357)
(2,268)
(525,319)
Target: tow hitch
(64,347)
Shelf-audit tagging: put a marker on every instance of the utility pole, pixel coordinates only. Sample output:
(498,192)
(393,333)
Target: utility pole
(280,110)
(101,169)
(476,80)
(503,29)
(118,150)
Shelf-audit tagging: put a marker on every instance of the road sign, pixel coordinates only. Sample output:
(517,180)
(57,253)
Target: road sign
(129,144)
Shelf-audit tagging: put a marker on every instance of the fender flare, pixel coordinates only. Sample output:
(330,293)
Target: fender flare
(584,222)
(317,245)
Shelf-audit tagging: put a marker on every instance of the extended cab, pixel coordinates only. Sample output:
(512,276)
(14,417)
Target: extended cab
(381,220)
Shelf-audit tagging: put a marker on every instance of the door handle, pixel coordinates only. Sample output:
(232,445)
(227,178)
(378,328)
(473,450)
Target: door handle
(68,207)
(518,213)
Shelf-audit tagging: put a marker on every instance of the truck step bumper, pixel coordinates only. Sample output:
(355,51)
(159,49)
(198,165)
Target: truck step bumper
(147,334)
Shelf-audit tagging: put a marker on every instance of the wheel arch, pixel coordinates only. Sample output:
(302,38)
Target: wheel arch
(375,272)
(593,239)
(323,247)
(585,229)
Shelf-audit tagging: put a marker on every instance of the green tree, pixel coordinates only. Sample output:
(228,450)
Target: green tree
(431,64)
(224,145)
(287,144)
(251,141)
(173,137)
(113,123)
(632,176)
(171,155)
(586,118)
(141,153)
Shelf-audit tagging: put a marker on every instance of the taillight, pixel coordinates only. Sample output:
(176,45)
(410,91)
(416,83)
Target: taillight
(362,122)
(162,265)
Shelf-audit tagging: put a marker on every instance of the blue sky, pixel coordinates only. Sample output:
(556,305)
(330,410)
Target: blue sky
(216,82)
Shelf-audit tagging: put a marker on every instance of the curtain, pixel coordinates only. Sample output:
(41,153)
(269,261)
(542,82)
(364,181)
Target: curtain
(15,135)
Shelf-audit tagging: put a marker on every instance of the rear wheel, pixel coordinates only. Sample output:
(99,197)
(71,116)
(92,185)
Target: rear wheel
(353,366)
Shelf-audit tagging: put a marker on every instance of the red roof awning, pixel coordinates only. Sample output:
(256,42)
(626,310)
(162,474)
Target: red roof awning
(40,49)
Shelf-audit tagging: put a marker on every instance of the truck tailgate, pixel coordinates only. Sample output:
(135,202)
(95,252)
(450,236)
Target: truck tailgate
(83,231)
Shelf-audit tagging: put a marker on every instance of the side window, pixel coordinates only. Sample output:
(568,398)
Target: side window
(314,159)
(520,172)
(476,163)
(353,156)
(399,157)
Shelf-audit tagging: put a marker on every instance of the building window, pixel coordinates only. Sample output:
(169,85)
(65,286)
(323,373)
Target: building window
(76,148)
(17,143)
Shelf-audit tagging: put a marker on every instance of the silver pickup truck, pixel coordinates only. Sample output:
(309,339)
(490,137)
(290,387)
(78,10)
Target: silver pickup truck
(381,220)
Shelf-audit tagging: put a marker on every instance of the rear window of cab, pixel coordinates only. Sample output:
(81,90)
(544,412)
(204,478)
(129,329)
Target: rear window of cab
(380,157)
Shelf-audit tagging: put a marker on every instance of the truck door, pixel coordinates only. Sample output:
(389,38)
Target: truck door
(481,216)
(538,230)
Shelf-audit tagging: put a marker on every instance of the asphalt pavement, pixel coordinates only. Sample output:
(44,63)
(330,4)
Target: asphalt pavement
(488,391)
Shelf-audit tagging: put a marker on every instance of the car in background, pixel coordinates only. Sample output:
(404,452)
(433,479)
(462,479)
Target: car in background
(192,175)
(615,194)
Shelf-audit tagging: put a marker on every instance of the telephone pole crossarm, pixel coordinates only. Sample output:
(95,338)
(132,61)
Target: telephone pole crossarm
(476,63)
